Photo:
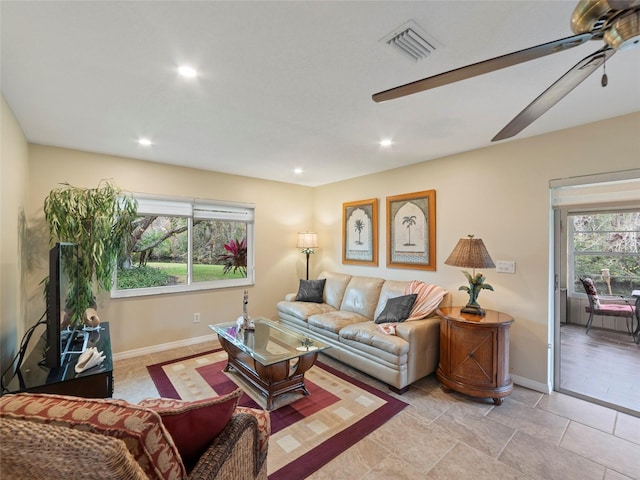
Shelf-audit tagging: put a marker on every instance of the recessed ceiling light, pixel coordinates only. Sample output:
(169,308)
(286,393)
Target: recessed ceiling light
(386,142)
(187,71)
(298,171)
(144,141)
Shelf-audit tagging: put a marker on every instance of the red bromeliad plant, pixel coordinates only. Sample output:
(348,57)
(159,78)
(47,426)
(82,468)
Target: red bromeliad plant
(236,257)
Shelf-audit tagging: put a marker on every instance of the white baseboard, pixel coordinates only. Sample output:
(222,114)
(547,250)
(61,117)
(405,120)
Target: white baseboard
(165,346)
(532,384)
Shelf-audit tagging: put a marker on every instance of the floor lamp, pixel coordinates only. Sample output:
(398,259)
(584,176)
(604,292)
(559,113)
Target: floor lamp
(308,242)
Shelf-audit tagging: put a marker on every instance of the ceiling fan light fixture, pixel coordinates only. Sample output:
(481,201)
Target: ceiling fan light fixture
(624,32)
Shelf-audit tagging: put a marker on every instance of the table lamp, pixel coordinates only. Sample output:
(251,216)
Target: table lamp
(471,253)
(308,242)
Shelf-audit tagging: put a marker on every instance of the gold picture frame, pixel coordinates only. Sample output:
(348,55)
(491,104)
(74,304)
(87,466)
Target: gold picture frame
(411,230)
(360,232)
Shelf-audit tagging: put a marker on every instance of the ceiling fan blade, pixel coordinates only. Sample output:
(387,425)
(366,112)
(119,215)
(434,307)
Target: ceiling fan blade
(555,93)
(485,66)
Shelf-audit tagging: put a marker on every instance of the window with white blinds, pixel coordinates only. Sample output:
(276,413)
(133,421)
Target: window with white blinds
(187,244)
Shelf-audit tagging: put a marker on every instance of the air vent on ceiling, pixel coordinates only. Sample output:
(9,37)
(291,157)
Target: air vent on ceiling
(411,41)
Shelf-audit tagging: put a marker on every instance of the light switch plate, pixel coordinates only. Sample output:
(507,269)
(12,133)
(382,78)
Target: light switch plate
(505,266)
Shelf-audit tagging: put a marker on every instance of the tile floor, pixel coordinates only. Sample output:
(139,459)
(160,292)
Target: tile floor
(454,437)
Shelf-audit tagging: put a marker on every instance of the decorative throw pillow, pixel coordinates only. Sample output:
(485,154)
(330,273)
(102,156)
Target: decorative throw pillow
(311,291)
(397,309)
(194,425)
(590,289)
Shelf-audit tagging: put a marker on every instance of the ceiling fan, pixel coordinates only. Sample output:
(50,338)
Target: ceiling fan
(617,22)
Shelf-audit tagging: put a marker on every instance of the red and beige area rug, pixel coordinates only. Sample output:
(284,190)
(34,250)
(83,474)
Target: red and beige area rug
(306,431)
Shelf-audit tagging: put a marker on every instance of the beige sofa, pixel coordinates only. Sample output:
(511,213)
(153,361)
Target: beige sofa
(345,320)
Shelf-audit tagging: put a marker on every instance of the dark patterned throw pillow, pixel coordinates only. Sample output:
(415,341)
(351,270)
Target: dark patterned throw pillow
(590,289)
(397,309)
(310,291)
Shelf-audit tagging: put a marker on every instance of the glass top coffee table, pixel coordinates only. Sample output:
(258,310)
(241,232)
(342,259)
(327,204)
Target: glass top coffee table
(272,357)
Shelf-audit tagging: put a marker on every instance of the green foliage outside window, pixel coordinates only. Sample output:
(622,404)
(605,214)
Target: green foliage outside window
(142,277)
(160,252)
(608,241)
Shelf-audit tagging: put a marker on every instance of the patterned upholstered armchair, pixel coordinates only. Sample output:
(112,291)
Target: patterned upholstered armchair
(606,305)
(60,437)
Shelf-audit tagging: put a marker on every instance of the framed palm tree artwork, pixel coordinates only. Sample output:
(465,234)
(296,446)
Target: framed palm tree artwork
(360,232)
(411,230)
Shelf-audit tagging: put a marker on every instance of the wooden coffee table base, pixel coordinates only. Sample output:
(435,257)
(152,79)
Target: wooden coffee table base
(271,380)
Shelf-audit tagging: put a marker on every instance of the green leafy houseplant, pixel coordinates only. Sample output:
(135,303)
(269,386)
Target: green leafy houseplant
(99,221)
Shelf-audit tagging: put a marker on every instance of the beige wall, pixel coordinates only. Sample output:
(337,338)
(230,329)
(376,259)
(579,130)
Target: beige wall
(499,194)
(281,211)
(14,188)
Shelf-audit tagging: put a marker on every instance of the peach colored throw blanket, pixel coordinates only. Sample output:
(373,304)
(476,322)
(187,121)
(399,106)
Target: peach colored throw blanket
(428,299)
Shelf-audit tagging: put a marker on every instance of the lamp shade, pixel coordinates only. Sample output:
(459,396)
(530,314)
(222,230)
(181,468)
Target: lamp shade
(470,253)
(307,240)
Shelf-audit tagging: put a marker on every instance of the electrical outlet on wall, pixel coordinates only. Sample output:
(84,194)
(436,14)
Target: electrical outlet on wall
(196,317)
(504,266)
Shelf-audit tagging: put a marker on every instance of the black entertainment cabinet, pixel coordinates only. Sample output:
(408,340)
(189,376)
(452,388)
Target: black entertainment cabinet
(97,382)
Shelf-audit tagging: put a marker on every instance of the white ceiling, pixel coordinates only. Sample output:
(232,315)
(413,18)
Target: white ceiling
(287,84)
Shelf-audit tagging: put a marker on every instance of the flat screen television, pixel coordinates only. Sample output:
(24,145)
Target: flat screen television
(61,273)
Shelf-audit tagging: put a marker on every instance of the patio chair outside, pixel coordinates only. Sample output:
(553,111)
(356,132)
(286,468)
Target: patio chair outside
(606,305)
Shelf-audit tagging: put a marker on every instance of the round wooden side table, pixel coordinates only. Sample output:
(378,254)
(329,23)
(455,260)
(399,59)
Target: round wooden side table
(474,353)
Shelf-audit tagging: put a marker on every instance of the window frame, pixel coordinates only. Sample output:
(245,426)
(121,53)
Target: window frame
(195,208)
